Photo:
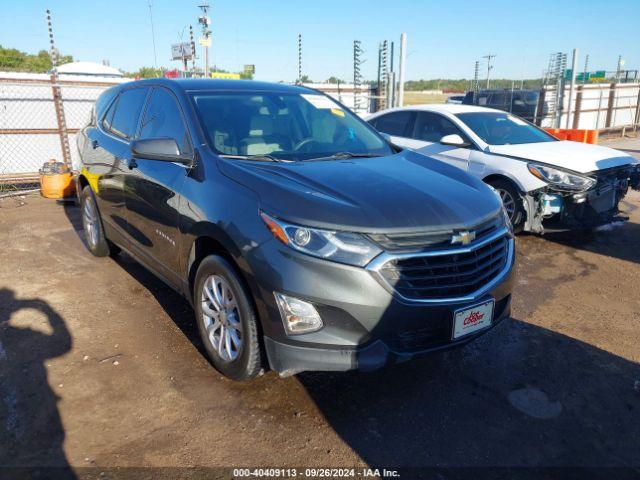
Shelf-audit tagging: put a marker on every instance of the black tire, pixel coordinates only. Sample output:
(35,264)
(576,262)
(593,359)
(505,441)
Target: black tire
(508,191)
(97,243)
(247,363)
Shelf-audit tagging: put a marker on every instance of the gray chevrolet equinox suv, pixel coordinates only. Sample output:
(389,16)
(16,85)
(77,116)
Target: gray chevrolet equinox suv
(301,237)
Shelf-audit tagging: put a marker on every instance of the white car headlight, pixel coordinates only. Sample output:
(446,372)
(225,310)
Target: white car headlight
(561,178)
(342,247)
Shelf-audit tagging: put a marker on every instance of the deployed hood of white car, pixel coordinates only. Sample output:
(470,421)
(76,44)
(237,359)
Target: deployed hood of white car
(579,157)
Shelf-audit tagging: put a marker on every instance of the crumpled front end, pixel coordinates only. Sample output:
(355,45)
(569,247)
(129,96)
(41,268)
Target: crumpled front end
(553,209)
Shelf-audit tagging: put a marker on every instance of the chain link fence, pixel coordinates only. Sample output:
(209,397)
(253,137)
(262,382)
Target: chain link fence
(39,121)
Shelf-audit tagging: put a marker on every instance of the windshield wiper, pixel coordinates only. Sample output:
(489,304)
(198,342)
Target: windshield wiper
(343,155)
(259,158)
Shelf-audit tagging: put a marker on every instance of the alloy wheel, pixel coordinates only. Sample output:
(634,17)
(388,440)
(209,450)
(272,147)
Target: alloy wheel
(508,202)
(90,220)
(221,317)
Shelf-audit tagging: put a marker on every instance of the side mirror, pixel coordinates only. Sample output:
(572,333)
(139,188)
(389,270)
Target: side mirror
(454,140)
(163,149)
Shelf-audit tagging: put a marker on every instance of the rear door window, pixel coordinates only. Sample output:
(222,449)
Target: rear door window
(398,124)
(431,127)
(163,119)
(126,114)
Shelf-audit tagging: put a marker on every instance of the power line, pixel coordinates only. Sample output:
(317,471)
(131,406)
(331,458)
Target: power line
(153,35)
(489,66)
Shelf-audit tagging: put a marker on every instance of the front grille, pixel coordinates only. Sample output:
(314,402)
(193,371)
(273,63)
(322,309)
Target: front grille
(447,275)
(395,242)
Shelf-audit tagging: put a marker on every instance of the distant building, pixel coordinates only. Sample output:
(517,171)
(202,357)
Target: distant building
(89,68)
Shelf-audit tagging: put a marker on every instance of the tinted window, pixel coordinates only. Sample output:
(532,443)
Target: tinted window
(106,121)
(284,125)
(103,101)
(163,119)
(431,127)
(503,129)
(399,124)
(127,112)
(498,99)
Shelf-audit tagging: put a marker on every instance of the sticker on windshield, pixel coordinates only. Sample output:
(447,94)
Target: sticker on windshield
(516,120)
(321,101)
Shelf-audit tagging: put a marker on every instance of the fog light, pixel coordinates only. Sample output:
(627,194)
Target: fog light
(297,315)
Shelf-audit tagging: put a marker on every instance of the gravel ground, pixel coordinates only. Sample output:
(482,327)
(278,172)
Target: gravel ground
(100,366)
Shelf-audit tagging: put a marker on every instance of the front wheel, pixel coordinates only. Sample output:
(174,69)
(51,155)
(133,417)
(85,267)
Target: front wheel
(512,201)
(226,319)
(92,222)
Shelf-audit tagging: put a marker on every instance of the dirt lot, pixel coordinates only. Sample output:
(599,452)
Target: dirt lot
(100,366)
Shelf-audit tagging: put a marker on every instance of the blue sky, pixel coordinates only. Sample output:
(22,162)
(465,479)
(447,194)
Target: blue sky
(444,38)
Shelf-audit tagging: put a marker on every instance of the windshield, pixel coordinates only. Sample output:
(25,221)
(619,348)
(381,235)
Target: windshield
(284,126)
(497,128)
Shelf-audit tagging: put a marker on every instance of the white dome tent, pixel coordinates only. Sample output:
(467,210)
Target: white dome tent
(89,68)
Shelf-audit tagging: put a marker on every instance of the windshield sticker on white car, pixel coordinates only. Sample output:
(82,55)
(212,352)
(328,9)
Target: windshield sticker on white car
(321,101)
(516,120)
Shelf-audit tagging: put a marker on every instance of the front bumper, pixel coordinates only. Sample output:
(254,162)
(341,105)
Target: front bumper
(289,359)
(581,210)
(366,325)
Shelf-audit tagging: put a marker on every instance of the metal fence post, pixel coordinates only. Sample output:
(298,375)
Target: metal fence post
(578,107)
(57,98)
(610,106)
(637,120)
(599,108)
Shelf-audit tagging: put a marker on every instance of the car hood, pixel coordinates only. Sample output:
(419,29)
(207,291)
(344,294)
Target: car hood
(579,157)
(402,192)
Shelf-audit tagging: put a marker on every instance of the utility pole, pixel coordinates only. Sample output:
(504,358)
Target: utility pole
(299,82)
(489,67)
(193,51)
(401,68)
(572,85)
(619,68)
(476,77)
(153,35)
(206,34)
(586,69)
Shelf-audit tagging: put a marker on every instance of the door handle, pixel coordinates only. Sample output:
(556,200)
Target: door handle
(94,144)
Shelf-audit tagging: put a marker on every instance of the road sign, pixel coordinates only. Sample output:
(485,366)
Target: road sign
(181,51)
(597,76)
(225,75)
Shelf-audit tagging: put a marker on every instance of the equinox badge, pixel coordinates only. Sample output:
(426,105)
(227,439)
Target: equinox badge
(464,237)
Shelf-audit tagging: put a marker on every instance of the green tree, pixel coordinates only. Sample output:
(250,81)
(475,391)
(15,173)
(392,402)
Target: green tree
(147,72)
(334,80)
(12,59)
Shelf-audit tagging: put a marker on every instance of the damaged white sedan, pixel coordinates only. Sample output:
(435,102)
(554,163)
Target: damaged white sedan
(545,184)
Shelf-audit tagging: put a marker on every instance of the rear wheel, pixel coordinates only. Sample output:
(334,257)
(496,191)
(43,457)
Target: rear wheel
(92,222)
(226,319)
(512,201)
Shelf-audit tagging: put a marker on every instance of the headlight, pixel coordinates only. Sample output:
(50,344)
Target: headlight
(560,178)
(342,247)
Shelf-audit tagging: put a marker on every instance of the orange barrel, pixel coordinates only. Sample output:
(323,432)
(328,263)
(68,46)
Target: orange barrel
(56,180)
(592,136)
(576,135)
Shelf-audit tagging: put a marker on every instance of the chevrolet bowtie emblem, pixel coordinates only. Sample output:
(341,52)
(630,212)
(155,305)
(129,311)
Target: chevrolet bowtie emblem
(464,237)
